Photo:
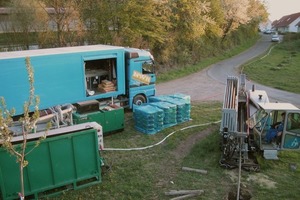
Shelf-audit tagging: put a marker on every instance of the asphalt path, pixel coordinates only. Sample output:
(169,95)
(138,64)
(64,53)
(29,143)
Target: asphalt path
(209,84)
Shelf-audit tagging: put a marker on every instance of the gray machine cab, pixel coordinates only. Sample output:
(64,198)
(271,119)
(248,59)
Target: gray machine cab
(247,120)
(269,114)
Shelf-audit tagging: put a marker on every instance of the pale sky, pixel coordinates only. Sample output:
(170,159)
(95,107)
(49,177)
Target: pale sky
(280,8)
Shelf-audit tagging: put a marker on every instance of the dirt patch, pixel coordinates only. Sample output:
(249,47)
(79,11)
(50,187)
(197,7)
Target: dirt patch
(244,194)
(185,146)
(172,164)
(262,180)
(257,178)
(245,189)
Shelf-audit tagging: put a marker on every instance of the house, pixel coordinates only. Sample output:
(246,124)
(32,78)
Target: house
(298,27)
(288,23)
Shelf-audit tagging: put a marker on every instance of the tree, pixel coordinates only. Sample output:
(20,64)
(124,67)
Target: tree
(98,17)
(25,19)
(3,3)
(176,31)
(66,22)
(190,18)
(27,122)
(163,50)
(257,11)
(235,14)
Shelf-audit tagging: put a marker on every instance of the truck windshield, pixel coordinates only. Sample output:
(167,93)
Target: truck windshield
(148,67)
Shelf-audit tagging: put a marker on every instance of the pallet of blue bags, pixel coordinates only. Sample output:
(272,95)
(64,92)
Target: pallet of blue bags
(162,112)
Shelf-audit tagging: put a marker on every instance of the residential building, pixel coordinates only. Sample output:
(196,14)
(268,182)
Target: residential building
(298,27)
(288,23)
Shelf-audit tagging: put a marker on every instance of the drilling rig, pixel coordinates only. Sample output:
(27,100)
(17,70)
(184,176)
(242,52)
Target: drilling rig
(247,117)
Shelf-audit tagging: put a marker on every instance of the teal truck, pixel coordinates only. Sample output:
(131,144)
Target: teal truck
(83,91)
(94,82)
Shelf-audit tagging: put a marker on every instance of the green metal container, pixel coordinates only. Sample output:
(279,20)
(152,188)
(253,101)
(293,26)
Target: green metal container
(110,120)
(59,163)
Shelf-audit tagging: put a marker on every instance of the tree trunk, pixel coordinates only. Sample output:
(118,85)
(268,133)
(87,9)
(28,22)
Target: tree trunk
(22,179)
(22,163)
(227,29)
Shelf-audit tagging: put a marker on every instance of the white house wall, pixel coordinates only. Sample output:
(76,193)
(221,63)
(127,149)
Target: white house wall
(293,27)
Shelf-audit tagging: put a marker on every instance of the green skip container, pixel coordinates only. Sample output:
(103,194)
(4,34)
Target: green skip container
(61,162)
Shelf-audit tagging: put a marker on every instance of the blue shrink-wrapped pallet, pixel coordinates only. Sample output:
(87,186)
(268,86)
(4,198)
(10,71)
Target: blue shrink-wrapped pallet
(181,108)
(162,112)
(182,102)
(185,97)
(170,112)
(157,98)
(187,110)
(148,119)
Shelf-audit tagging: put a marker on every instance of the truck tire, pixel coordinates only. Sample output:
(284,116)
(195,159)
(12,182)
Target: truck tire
(139,99)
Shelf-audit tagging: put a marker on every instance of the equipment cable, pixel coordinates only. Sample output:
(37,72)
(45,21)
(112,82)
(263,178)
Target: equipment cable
(158,143)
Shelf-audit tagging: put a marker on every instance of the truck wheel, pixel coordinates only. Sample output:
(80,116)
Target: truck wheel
(139,99)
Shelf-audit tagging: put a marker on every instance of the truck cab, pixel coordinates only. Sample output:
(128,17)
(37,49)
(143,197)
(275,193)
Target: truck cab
(269,114)
(140,76)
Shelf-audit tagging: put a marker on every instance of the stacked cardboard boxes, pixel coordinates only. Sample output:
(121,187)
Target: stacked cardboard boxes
(106,86)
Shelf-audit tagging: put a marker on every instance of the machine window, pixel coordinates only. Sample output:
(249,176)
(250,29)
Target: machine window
(293,122)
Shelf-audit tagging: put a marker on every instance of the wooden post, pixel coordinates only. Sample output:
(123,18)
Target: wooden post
(195,170)
(184,193)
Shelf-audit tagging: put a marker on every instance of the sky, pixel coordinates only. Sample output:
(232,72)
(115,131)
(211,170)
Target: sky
(280,8)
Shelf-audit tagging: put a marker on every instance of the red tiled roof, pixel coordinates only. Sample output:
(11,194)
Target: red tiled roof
(274,22)
(286,20)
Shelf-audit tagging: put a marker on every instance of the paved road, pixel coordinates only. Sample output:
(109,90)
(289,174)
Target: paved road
(209,84)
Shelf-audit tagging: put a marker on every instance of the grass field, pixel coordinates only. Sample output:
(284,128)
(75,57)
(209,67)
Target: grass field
(279,68)
(148,174)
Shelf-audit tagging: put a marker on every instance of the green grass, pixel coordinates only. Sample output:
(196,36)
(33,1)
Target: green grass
(278,69)
(148,174)
(280,173)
